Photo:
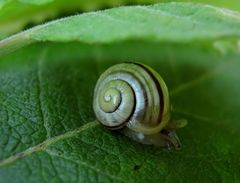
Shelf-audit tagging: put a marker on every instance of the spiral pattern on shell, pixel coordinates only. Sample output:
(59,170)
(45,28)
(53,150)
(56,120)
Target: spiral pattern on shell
(132,95)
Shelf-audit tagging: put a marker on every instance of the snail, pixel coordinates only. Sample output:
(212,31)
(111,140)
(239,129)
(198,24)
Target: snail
(134,98)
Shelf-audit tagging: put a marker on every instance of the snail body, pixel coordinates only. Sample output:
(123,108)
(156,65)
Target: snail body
(134,97)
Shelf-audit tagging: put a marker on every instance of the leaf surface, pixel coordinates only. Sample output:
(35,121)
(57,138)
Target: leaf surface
(48,130)
(169,22)
(16,15)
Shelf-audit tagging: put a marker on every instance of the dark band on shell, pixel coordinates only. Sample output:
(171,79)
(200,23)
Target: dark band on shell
(159,89)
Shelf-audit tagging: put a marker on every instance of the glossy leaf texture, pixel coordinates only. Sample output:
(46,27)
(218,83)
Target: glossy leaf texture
(16,15)
(48,130)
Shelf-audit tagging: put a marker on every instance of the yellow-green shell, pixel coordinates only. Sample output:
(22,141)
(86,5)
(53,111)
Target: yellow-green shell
(132,95)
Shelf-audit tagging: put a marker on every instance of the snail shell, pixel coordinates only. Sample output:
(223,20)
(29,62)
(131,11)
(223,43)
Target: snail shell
(132,95)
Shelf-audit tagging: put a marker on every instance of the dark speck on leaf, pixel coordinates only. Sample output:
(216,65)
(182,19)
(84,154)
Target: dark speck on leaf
(136,167)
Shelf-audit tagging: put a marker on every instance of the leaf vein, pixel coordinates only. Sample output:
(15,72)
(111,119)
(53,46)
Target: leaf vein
(39,81)
(45,144)
(203,78)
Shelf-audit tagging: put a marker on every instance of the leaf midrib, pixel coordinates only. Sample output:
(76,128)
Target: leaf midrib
(46,143)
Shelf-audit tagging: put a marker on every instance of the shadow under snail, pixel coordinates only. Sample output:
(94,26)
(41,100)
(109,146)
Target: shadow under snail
(134,98)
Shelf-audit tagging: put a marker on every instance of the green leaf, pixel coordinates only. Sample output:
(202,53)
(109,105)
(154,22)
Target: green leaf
(16,15)
(172,22)
(19,14)
(48,130)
